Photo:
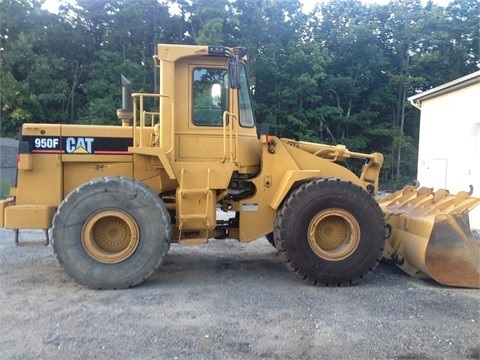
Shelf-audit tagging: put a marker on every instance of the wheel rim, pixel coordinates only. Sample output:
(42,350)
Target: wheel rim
(110,236)
(333,234)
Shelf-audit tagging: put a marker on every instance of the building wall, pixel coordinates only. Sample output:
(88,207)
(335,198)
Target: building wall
(449,147)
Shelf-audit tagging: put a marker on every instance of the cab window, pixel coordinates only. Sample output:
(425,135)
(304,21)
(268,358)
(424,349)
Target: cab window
(210,96)
(245,103)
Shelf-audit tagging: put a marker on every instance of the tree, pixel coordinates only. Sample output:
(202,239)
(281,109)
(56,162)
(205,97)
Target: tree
(284,70)
(31,88)
(464,29)
(342,73)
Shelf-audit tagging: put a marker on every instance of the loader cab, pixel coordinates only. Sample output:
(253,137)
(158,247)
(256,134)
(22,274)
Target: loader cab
(207,96)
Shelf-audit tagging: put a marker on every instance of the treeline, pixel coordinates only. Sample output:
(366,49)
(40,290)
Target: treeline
(339,74)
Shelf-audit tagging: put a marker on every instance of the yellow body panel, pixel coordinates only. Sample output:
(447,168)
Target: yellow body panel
(78,173)
(3,205)
(42,185)
(29,216)
(61,158)
(284,167)
(25,162)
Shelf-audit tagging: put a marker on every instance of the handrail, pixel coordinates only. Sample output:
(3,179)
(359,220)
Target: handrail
(230,126)
(139,109)
(233,132)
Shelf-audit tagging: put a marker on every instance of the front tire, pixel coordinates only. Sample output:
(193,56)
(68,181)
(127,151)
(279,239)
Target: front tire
(111,233)
(330,232)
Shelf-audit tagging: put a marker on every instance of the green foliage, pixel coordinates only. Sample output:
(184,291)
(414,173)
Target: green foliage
(340,74)
(4,188)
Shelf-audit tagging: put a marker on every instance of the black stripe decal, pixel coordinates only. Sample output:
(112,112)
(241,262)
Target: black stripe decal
(77,145)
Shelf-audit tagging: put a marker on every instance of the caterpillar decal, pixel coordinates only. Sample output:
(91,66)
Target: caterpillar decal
(76,145)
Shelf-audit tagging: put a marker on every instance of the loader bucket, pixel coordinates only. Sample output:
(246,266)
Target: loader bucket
(430,235)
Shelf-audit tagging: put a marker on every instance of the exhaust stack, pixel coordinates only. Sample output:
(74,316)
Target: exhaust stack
(125,114)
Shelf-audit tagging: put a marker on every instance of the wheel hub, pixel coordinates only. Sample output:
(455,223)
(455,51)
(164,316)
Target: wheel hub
(333,234)
(110,236)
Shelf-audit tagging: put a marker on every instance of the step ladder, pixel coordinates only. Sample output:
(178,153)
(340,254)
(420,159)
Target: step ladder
(196,207)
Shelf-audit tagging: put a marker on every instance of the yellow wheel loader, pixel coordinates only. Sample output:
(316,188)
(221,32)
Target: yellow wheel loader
(116,197)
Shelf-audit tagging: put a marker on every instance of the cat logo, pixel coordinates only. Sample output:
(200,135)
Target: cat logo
(79,145)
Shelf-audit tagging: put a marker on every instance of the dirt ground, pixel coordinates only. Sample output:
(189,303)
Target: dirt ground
(226,300)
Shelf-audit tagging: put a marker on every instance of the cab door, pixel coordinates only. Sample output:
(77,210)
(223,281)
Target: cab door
(200,134)
(218,125)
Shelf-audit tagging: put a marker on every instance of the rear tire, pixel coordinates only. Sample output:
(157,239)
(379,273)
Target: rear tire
(330,232)
(111,233)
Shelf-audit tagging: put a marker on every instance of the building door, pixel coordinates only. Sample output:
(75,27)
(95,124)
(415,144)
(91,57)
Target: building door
(439,169)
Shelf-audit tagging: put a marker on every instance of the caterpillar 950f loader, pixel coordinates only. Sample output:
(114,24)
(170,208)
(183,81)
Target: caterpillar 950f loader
(115,197)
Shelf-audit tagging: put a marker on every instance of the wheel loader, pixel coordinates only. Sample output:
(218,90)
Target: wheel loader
(113,198)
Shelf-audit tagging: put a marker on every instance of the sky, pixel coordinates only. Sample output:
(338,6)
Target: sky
(309,4)
(52,5)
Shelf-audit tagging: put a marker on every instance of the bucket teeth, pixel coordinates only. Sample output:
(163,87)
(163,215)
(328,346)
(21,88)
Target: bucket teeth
(431,236)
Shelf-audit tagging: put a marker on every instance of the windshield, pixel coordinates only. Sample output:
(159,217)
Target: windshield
(244,99)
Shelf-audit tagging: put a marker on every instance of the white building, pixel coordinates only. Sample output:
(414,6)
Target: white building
(449,146)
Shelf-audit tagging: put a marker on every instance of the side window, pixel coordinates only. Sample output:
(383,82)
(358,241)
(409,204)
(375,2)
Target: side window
(210,95)
(245,103)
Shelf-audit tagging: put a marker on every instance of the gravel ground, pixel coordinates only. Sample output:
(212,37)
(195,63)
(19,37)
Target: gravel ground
(226,300)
